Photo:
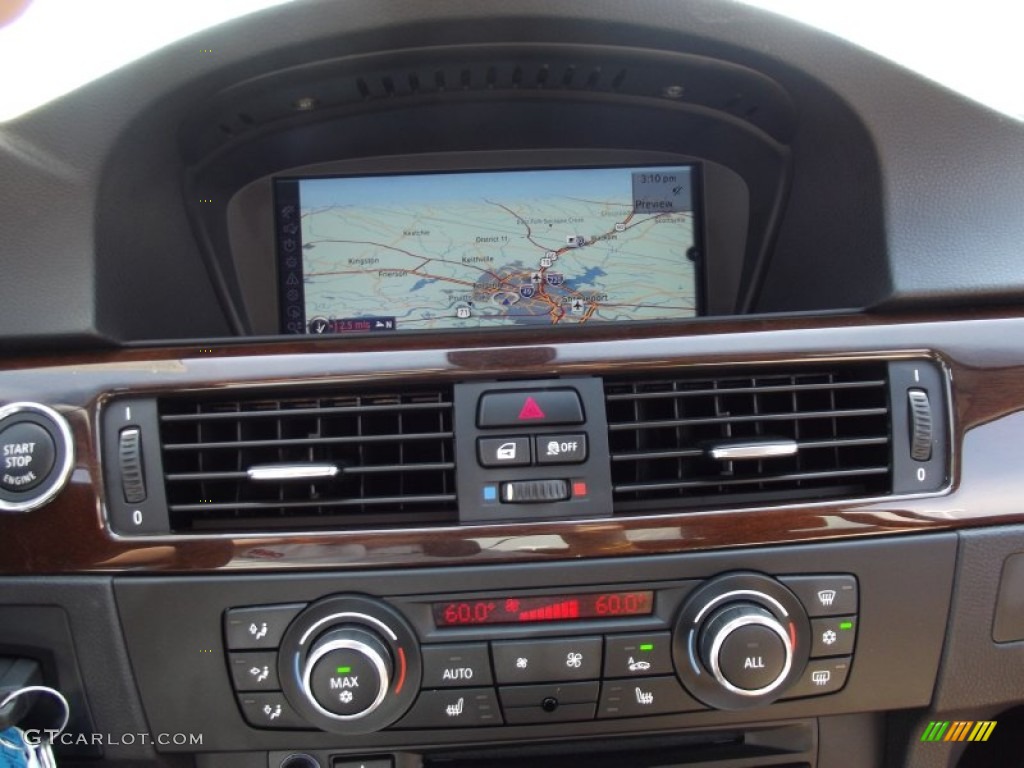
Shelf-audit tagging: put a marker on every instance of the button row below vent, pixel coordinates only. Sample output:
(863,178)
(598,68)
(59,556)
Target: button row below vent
(570,448)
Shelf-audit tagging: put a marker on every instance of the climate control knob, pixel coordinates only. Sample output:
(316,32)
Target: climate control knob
(347,673)
(350,664)
(746,649)
(741,640)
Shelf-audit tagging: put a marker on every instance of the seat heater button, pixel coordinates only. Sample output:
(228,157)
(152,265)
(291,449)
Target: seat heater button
(455,708)
(650,696)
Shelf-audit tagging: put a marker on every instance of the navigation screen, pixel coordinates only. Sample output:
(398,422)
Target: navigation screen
(487,249)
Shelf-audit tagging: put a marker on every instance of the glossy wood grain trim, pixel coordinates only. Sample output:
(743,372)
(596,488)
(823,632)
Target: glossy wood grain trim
(982,350)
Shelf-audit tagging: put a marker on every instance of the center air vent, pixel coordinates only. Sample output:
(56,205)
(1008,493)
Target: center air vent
(330,460)
(761,437)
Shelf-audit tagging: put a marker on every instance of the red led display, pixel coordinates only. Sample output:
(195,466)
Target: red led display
(520,610)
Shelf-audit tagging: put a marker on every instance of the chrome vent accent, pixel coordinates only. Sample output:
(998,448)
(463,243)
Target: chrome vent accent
(235,464)
(670,437)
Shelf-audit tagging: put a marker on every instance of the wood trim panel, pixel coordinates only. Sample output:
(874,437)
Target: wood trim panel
(983,352)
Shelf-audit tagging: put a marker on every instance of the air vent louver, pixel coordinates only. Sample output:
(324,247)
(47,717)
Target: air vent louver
(662,431)
(394,454)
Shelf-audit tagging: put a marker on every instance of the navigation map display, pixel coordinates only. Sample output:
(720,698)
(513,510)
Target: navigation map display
(487,249)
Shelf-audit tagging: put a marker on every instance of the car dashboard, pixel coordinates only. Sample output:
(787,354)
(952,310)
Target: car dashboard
(405,384)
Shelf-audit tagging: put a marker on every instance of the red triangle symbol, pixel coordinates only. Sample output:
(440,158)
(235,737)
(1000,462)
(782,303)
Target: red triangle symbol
(531,410)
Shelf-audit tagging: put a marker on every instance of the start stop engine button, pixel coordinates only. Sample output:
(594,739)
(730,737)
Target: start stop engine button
(36,456)
(27,456)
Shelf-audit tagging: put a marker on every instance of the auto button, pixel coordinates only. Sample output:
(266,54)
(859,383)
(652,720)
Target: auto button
(455,666)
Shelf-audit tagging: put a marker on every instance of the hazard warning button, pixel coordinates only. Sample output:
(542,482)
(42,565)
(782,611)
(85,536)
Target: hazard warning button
(530,408)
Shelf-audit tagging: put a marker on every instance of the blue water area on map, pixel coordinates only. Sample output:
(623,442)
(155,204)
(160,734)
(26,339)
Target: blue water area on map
(423,283)
(587,278)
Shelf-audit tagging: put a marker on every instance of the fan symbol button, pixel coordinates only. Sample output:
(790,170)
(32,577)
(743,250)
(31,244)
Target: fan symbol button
(828,637)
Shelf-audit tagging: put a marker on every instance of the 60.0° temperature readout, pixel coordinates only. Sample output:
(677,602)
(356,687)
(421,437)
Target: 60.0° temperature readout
(518,610)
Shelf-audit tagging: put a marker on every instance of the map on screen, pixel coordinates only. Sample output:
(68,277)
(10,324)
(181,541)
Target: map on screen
(487,249)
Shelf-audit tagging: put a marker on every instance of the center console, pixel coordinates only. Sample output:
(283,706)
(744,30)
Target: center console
(349,664)
(446,658)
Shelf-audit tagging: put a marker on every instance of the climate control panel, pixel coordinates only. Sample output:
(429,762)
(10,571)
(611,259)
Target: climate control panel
(354,664)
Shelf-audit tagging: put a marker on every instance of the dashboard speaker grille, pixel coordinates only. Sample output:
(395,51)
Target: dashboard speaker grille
(831,426)
(327,460)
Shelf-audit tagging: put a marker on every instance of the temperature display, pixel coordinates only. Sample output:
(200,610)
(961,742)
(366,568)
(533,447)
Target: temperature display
(519,610)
